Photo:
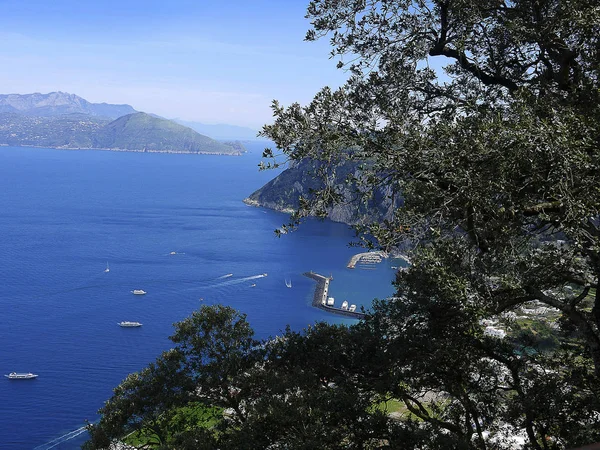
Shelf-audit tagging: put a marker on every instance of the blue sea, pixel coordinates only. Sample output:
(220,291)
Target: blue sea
(65,214)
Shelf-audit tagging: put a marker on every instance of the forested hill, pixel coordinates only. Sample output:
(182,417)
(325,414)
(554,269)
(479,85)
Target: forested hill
(284,191)
(132,132)
(142,131)
(59,103)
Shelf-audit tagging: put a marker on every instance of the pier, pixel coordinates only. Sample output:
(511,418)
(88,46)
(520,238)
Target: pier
(321,292)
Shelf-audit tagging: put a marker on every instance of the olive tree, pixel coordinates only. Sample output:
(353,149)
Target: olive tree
(484,117)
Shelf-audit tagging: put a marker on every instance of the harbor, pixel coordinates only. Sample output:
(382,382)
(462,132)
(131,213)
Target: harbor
(367,258)
(321,299)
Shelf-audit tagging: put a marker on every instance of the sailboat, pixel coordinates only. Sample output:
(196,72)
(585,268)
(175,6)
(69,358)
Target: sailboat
(288,283)
(107,268)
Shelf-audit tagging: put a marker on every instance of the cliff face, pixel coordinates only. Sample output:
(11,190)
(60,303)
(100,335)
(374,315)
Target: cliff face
(283,193)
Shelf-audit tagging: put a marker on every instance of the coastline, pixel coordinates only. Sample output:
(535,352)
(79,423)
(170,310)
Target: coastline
(235,153)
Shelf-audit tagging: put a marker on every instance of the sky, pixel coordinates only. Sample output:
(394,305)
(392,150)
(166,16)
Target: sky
(208,61)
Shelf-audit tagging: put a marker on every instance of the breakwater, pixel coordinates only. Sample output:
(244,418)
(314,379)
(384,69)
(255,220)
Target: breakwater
(320,295)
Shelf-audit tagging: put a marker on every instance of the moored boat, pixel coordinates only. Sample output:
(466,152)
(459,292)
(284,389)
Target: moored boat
(21,376)
(344,304)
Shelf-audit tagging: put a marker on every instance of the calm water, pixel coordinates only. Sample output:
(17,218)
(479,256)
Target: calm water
(65,214)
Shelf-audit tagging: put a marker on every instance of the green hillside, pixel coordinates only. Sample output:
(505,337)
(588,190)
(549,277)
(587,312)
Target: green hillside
(133,132)
(141,131)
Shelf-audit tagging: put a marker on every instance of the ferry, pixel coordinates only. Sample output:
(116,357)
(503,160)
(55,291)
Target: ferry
(21,376)
(127,324)
(138,292)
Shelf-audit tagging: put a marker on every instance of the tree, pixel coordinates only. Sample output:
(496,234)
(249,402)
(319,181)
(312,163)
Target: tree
(497,162)
(497,159)
(290,392)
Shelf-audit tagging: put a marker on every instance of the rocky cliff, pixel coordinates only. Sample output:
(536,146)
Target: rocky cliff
(283,194)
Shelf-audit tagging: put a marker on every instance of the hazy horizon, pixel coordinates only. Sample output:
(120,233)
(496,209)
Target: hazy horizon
(210,63)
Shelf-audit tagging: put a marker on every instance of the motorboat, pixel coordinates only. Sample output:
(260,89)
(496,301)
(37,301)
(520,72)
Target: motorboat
(127,324)
(344,305)
(352,308)
(107,268)
(330,301)
(288,283)
(21,376)
(253,285)
(138,292)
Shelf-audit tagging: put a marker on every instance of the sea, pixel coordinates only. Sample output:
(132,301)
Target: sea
(173,225)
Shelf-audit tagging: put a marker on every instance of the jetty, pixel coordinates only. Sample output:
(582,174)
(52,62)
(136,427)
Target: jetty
(320,297)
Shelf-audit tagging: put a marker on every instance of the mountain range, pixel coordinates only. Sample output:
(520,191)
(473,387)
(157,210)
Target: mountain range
(59,103)
(62,120)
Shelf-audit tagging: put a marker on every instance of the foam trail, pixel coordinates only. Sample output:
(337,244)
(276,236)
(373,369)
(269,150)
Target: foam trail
(59,440)
(238,280)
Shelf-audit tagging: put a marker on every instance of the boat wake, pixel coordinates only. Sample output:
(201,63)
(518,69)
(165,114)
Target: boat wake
(61,439)
(237,280)
(225,276)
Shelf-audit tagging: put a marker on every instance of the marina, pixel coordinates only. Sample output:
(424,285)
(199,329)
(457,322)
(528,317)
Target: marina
(322,301)
(366,259)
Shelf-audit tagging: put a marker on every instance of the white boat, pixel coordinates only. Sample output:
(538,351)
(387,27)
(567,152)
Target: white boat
(107,268)
(227,275)
(138,292)
(352,308)
(127,324)
(288,283)
(21,376)
(330,301)
(345,304)
(253,285)
(264,274)
(173,253)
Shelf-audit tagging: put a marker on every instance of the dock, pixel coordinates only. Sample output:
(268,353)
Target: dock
(367,257)
(321,292)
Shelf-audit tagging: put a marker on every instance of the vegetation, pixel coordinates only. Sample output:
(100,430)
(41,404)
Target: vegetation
(135,132)
(497,161)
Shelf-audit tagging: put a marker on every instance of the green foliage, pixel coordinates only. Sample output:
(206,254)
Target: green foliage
(498,163)
(138,131)
(499,168)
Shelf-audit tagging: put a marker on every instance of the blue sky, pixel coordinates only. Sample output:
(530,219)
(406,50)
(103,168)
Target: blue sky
(206,61)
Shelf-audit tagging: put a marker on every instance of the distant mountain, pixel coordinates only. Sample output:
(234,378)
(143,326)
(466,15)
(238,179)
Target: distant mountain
(222,131)
(59,103)
(133,132)
(284,191)
(144,131)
